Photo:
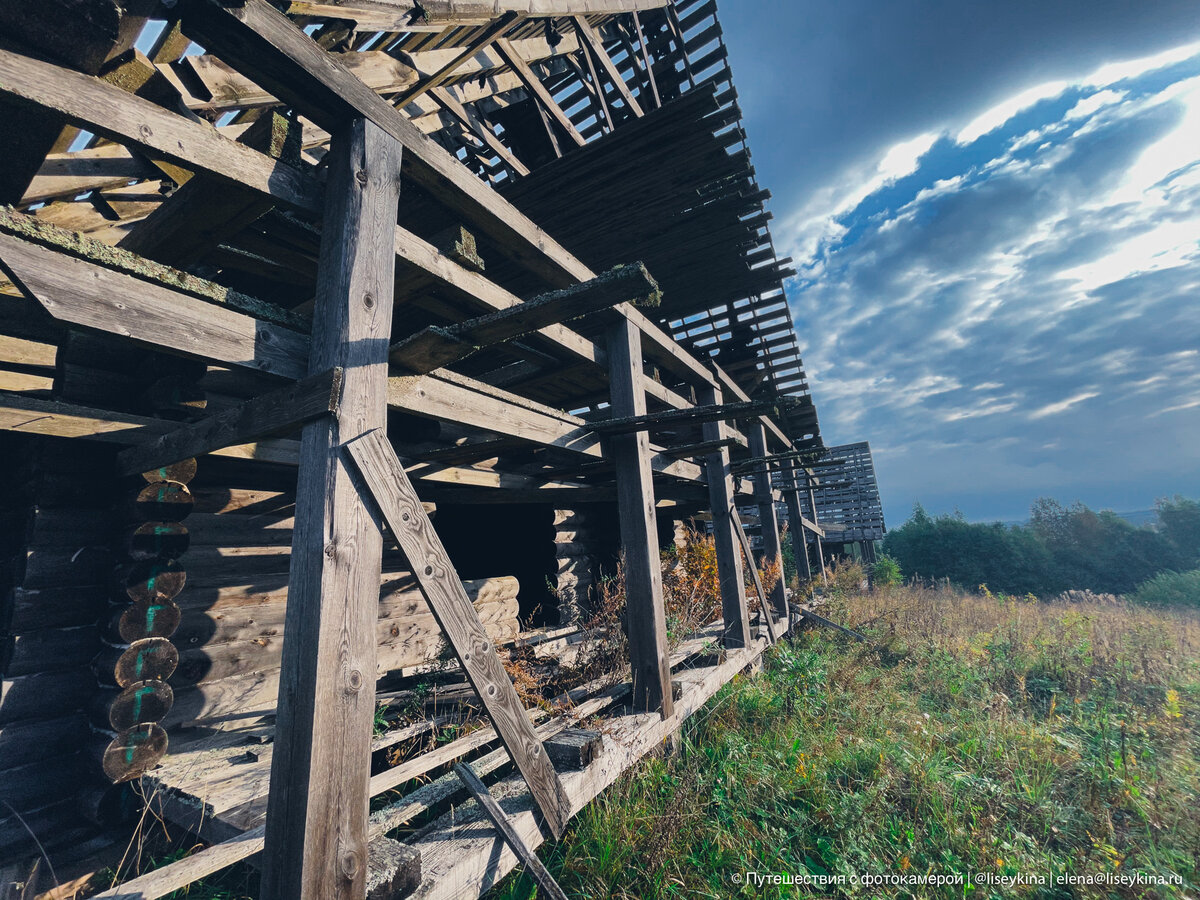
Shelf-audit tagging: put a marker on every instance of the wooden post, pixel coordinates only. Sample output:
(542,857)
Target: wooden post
(767,520)
(812,506)
(729,561)
(645,616)
(799,537)
(316,826)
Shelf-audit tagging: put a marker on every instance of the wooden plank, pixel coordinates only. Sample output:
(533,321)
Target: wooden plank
(68,174)
(512,58)
(763,603)
(480,40)
(452,397)
(438,346)
(476,289)
(734,610)
(228,89)
(31,415)
(83,293)
(798,524)
(111,112)
(204,211)
(250,421)
(693,415)
(436,15)
(47,234)
(767,518)
(439,583)
(647,625)
(316,827)
(461,859)
(533,865)
(596,48)
(78,34)
(478,128)
(730,387)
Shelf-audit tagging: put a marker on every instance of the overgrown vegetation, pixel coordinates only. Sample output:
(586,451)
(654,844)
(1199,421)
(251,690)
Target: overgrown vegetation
(978,735)
(1062,548)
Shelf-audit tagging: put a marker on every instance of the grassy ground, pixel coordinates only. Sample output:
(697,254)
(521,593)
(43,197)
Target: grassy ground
(979,736)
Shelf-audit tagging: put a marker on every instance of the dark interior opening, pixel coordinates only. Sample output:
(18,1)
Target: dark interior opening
(490,540)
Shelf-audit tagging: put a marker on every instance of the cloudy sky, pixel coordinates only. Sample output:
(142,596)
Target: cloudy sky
(994,209)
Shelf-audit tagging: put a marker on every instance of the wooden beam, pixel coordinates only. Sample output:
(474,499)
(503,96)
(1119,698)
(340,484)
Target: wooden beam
(798,523)
(478,790)
(481,40)
(78,34)
(812,505)
(60,240)
(645,616)
(316,825)
(596,47)
(763,601)
(541,95)
(112,113)
(437,15)
(443,591)
(206,210)
(480,129)
(252,420)
(84,293)
(456,398)
(734,611)
(768,520)
(647,66)
(267,46)
(731,387)
(439,346)
(703,448)
(678,417)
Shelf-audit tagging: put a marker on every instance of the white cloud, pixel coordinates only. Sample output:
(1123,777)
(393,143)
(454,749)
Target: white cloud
(993,118)
(1052,409)
(1089,105)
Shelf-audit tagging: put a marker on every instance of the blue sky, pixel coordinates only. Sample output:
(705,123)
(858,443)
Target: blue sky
(996,224)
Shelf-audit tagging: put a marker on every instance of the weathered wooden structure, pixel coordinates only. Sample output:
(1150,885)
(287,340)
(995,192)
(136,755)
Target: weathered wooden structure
(344,337)
(846,500)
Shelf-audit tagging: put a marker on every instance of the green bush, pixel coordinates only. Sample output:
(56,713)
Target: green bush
(1171,589)
(885,571)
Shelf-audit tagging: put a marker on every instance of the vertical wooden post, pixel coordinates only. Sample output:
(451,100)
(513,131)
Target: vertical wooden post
(812,505)
(316,827)
(767,520)
(729,561)
(645,616)
(799,537)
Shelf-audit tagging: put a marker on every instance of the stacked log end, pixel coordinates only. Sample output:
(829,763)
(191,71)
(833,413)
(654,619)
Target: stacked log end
(151,536)
(574,548)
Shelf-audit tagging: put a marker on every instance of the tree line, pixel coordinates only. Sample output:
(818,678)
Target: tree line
(1061,548)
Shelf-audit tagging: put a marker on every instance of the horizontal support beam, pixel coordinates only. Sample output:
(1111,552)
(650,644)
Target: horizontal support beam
(731,388)
(83,293)
(253,420)
(113,113)
(438,346)
(677,417)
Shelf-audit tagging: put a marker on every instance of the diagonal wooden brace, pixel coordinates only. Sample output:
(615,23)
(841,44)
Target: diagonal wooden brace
(442,589)
(763,602)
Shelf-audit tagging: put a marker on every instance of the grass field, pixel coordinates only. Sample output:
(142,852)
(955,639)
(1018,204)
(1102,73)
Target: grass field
(978,737)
